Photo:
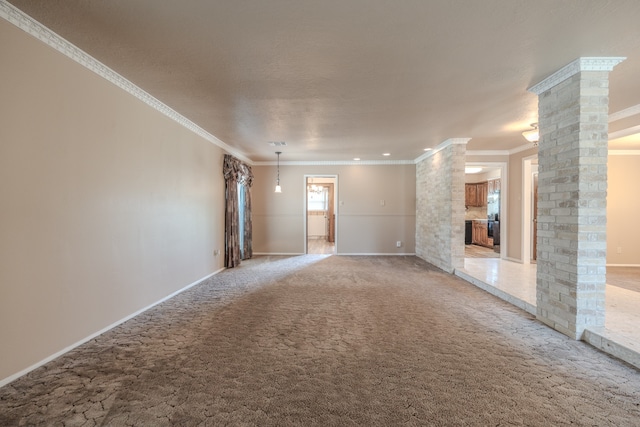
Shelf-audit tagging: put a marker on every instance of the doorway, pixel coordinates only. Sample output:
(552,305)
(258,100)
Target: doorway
(485,210)
(320,214)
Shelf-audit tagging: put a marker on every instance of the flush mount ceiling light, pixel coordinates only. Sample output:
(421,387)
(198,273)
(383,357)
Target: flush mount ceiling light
(470,169)
(277,143)
(278,188)
(532,135)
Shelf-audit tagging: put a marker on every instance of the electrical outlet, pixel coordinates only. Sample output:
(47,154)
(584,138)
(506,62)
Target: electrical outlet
(216,252)
(398,244)
(619,249)
(382,202)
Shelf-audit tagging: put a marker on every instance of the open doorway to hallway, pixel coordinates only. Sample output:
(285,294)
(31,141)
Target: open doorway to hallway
(320,214)
(484,206)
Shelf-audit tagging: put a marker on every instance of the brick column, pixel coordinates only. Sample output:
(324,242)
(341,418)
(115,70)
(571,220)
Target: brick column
(573,115)
(440,205)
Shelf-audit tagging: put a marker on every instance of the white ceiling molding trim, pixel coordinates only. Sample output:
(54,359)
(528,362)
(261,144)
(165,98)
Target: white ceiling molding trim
(624,132)
(446,143)
(623,114)
(488,152)
(338,163)
(32,27)
(624,152)
(580,64)
(520,148)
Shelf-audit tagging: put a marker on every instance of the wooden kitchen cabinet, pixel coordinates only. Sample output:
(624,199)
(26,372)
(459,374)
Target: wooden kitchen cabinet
(476,194)
(470,195)
(482,192)
(479,235)
(494,185)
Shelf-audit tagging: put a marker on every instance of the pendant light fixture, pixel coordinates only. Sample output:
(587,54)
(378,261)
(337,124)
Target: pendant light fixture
(532,135)
(278,188)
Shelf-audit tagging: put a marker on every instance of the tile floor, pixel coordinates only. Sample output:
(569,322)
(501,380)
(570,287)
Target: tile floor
(320,247)
(516,283)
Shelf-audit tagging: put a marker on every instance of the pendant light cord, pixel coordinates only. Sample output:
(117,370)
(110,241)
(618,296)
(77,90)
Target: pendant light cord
(278,179)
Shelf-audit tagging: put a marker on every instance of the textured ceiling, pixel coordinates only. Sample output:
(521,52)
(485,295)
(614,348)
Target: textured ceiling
(338,79)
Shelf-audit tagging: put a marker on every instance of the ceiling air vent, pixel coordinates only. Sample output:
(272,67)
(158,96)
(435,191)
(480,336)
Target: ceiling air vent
(277,143)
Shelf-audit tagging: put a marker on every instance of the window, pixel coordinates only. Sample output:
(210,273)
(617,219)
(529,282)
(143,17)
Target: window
(241,217)
(317,198)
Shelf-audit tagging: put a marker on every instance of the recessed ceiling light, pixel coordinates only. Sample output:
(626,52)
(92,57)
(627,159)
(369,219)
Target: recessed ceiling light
(386,154)
(428,149)
(356,158)
(472,169)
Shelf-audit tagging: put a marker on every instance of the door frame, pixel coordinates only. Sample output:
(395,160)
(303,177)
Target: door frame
(305,181)
(527,207)
(504,184)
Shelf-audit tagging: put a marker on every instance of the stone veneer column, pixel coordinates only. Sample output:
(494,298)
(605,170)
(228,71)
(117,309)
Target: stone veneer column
(440,205)
(573,109)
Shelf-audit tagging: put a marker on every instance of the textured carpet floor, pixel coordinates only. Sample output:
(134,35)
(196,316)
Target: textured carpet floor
(334,341)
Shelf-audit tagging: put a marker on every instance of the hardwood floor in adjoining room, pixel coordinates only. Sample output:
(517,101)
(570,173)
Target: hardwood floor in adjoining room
(476,251)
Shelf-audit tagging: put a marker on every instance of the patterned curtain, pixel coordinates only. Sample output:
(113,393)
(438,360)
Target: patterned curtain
(236,172)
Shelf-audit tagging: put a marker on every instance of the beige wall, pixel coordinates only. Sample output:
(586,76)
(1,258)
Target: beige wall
(514,204)
(107,205)
(623,207)
(363,224)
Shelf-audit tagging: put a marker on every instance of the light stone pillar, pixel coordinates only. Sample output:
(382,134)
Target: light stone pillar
(573,116)
(440,205)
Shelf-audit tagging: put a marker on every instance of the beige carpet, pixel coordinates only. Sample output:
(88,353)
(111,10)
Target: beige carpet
(334,341)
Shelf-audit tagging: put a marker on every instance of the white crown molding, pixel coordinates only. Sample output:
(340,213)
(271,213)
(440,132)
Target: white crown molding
(338,163)
(442,145)
(454,141)
(487,152)
(29,25)
(580,64)
(624,132)
(520,148)
(423,156)
(623,114)
(624,152)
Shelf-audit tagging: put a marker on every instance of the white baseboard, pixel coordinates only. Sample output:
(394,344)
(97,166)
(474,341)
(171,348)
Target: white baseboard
(278,253)
(48,359)
(355,253)
(519,261)
(377,254)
